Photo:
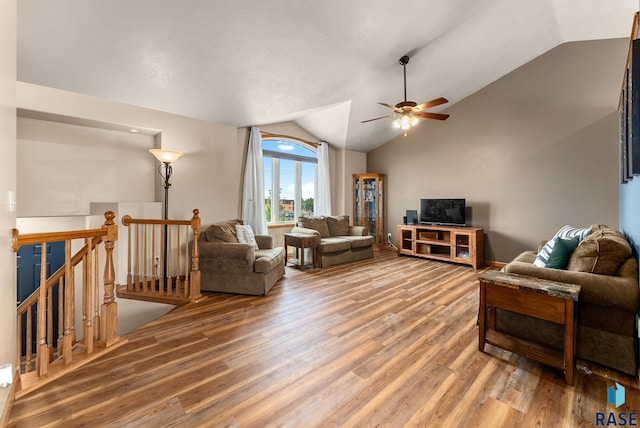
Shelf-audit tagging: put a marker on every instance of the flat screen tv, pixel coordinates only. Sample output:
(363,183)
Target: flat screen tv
(443,211)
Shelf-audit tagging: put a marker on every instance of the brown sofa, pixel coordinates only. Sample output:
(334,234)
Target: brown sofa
(339,241)
(228,266)
(603,265)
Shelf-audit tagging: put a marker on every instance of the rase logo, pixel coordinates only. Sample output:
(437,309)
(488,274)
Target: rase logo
(616,397)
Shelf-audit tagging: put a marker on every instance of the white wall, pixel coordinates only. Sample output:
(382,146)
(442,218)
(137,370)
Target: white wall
(8,34)
(62,168)
(207,177)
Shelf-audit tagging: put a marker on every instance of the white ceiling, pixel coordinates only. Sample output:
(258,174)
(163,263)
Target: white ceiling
(323,64)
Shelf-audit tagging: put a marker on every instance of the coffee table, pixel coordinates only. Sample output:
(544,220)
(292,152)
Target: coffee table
(300,241)
(547,300)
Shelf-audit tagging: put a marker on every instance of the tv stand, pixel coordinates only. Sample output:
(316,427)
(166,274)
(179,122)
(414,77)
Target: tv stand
(458,244)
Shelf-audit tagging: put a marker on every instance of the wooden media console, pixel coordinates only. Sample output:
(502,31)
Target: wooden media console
(448,243)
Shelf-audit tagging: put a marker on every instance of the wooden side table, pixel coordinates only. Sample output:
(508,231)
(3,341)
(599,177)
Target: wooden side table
(300,241)
(547,300)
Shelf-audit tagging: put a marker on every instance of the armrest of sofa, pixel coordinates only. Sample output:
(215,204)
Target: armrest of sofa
(357,230)
(224,257)
(603,290)
(265,242)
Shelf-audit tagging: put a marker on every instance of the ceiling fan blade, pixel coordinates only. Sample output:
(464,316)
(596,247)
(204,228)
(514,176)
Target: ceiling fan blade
(377,118)
(397,110)
(427,115)
(432,103)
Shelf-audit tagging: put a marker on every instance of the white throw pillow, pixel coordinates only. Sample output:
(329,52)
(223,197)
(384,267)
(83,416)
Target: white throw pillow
(245,235)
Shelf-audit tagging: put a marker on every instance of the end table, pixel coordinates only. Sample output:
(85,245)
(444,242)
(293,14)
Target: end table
(538,298)
(300,241)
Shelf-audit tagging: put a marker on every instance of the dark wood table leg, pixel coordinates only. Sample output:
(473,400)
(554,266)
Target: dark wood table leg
(482,332)
(286,253)
(569,342)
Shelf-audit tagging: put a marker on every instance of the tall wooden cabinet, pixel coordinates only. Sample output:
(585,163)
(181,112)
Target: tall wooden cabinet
(368,204)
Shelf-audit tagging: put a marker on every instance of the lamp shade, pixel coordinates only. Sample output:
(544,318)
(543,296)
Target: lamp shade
(166,156)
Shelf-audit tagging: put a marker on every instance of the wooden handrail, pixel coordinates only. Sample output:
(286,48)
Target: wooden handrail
(127,220)
(38,238)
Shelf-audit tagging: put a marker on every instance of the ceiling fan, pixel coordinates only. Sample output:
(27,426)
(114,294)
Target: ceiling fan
(410,112)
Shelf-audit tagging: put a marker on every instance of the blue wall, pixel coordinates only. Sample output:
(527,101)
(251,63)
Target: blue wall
(630,212)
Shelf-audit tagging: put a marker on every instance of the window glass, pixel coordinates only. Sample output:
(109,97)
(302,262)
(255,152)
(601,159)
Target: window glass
(308,188)
(268,168)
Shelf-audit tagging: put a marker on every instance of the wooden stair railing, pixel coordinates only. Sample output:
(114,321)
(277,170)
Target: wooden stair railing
(158,267)
(56,355)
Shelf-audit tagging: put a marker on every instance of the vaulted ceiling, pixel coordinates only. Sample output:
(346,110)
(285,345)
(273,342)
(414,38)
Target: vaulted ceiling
(323,64)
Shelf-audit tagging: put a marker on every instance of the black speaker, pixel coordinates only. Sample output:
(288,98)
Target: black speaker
(404,220)
(412,217)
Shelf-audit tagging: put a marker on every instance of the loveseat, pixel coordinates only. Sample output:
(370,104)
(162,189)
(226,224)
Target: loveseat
(603,265)
(339,241)
(229,266)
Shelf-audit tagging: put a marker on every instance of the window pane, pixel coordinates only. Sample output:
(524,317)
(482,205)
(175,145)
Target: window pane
(288,147)
(287,190)
(267,166)
(308,189)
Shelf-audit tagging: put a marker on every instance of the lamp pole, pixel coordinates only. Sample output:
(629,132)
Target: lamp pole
(166,157)
(165,183)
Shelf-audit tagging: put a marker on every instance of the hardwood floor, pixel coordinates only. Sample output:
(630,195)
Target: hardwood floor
(386,342)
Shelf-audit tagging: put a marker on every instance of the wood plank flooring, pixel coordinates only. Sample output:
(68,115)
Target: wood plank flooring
(391,341)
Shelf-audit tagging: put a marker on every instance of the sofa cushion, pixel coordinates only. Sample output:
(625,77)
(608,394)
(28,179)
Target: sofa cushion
(223,231)
(338,225)
(562,251)
(315,223)
(268,259)
(359,241)
(603,252)
(332,245)
(244,234)
(564,232)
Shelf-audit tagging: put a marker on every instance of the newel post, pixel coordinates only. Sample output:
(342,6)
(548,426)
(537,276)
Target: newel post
(109,313)
(194,289)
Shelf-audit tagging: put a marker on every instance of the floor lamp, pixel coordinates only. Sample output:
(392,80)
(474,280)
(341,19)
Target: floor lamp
(166,158)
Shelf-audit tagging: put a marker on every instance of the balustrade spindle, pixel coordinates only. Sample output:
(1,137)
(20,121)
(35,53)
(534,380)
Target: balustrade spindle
(68,337)
(87,334)
(109,333)
(42,364)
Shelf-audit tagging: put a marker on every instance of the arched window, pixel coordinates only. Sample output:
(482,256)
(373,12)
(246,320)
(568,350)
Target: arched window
(290,178)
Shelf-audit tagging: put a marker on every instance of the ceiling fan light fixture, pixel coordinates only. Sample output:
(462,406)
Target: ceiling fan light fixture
(410,112)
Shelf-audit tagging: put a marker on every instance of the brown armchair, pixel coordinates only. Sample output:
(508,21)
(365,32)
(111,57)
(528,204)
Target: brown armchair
(228,266)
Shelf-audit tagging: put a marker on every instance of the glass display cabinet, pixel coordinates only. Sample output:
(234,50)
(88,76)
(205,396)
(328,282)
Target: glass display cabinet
(368,205)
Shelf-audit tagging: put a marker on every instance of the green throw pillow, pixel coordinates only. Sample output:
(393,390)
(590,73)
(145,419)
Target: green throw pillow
(562,251)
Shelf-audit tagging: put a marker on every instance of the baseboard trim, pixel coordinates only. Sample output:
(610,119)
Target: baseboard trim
(494,264)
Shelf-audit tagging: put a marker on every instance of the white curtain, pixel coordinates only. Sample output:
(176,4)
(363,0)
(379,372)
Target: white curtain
(253,209)
(323,204)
